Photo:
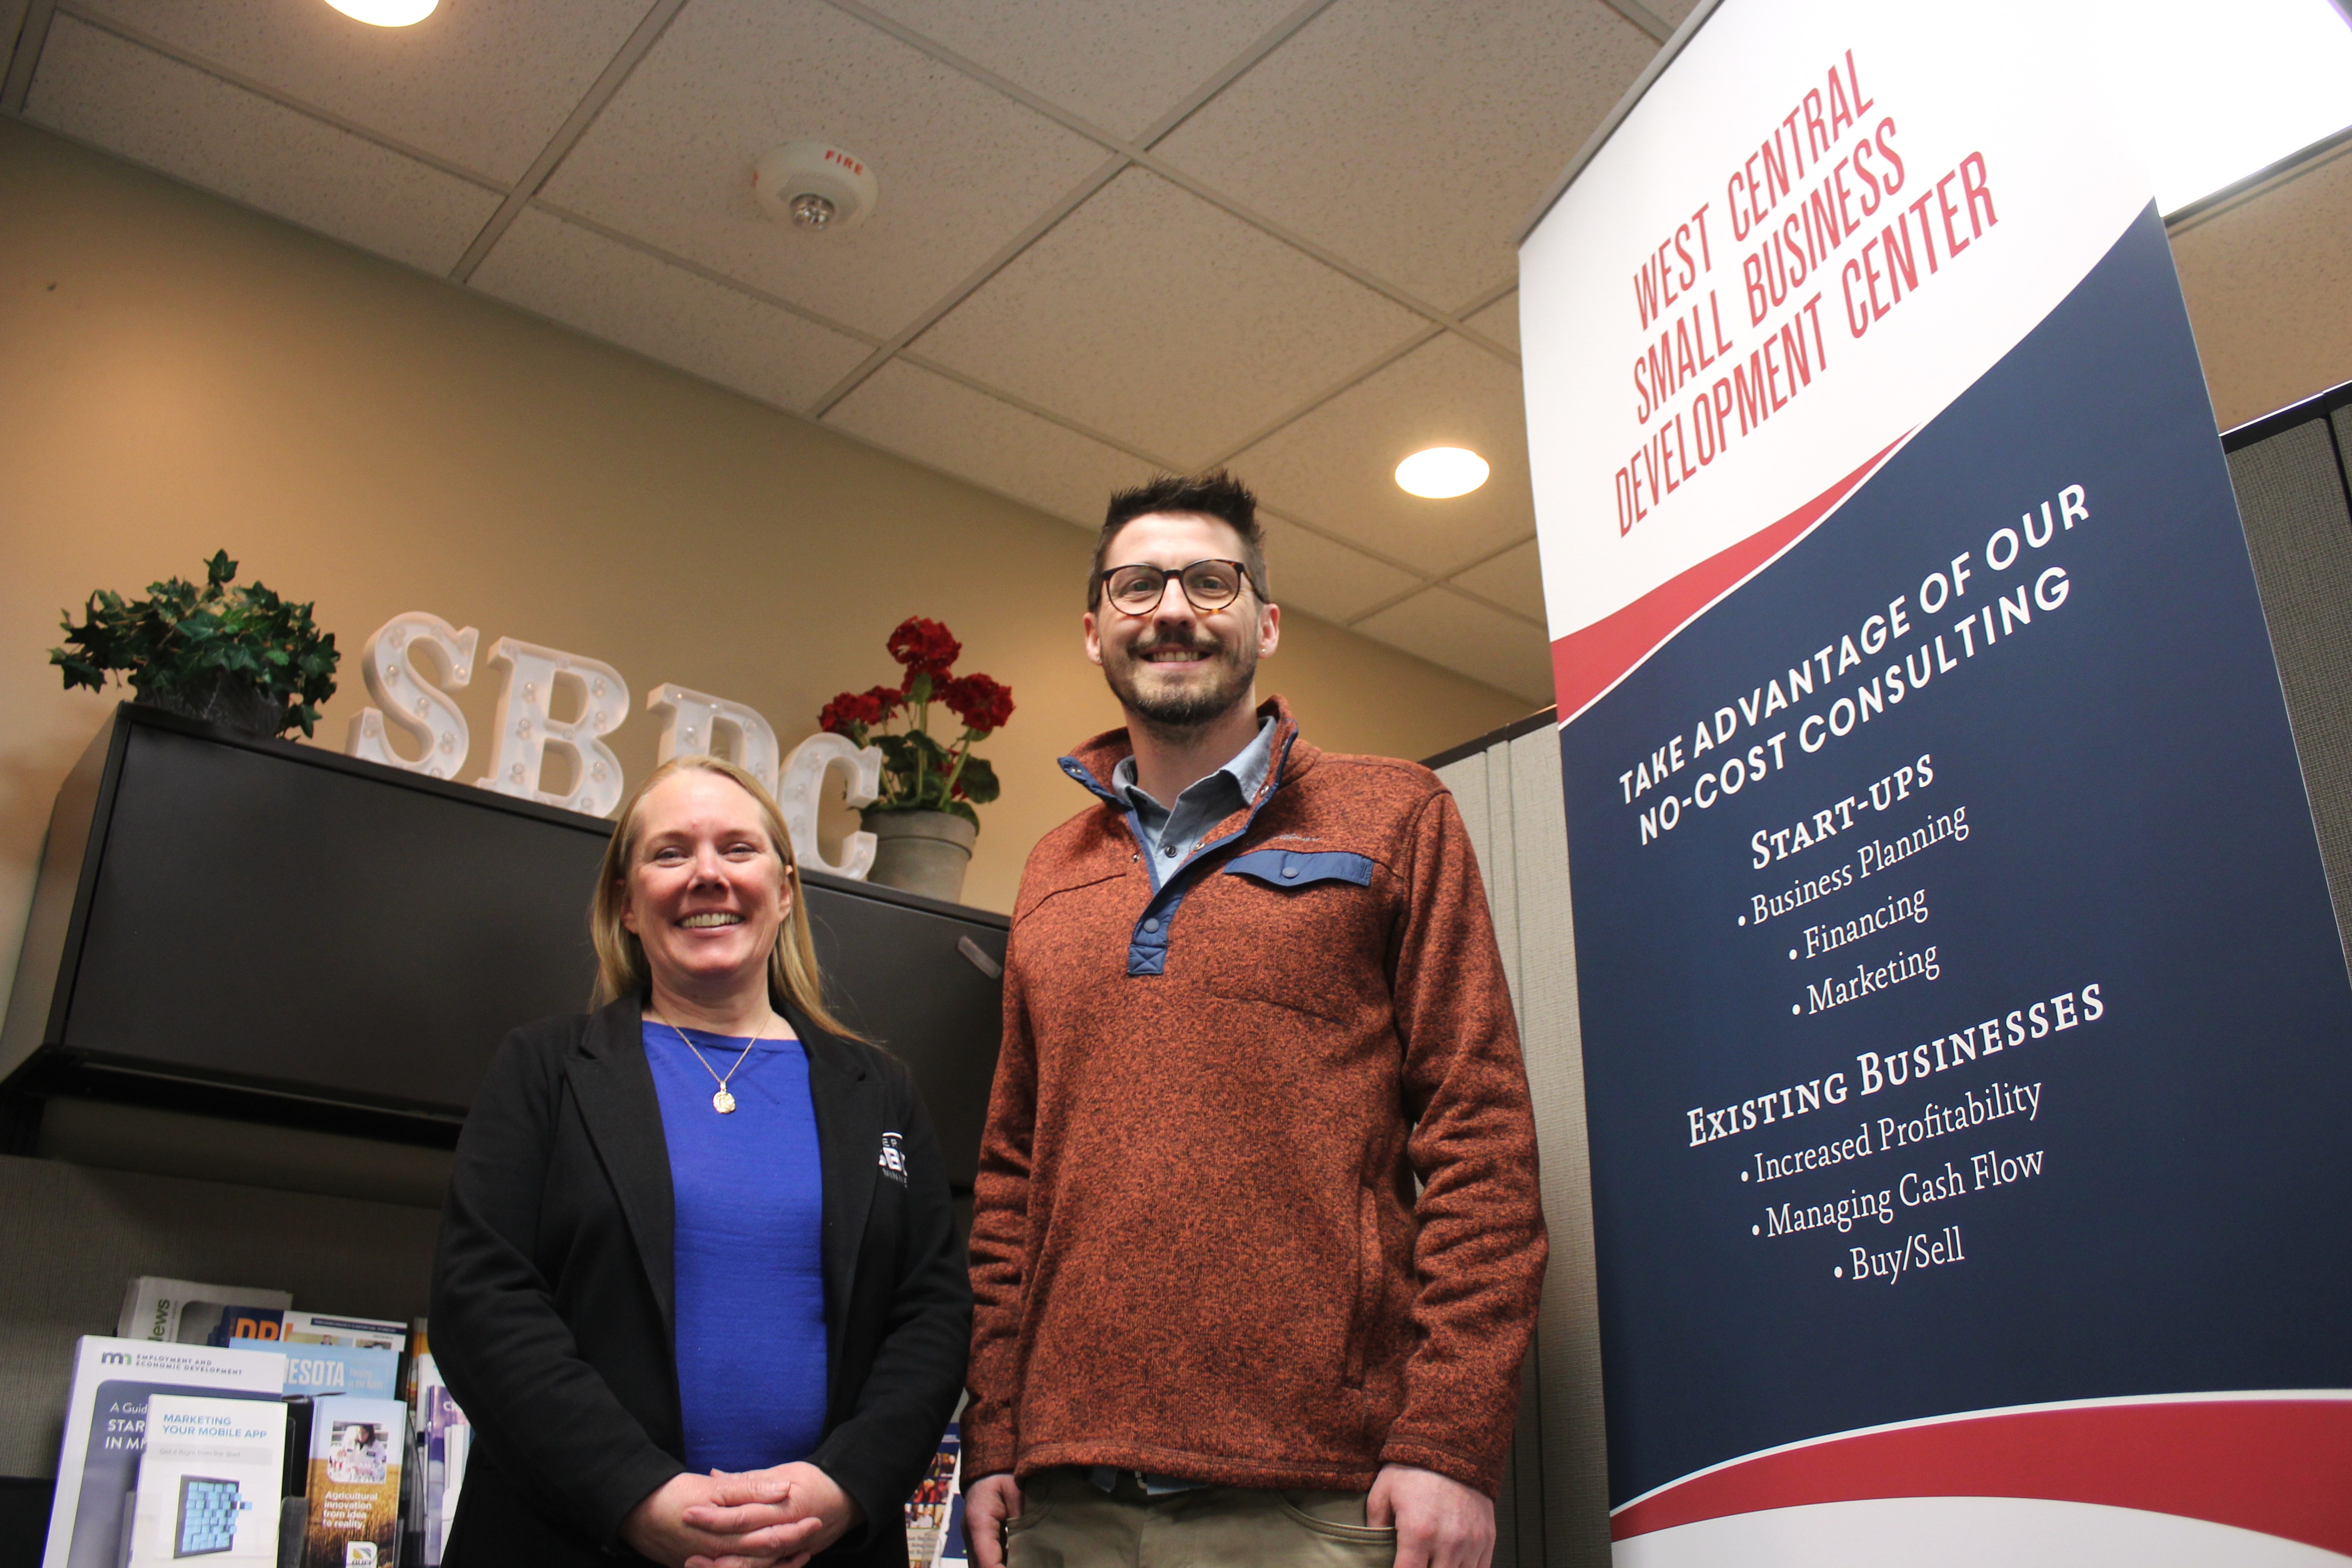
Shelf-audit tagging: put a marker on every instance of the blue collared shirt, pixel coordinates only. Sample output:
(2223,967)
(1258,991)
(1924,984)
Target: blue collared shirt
(1172,832)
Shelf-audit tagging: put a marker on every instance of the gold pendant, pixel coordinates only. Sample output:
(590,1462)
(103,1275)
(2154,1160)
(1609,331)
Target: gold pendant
(722,1102)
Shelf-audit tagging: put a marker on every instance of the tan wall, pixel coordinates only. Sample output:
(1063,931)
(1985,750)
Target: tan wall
(2269,284)
(178,375)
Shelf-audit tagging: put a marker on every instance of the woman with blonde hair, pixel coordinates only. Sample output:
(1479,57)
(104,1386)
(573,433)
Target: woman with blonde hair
(697,1286)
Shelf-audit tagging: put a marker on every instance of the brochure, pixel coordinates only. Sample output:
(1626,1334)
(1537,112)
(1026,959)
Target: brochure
(294,1509)
(443,1439)
(209,1481)
(339,1329)
(106,1421)
(935,1499)
(419,1347)
(953,1553)
(362,1371)
(181,1311)
(356,1446)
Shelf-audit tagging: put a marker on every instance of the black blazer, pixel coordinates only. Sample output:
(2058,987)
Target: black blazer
(553,1293)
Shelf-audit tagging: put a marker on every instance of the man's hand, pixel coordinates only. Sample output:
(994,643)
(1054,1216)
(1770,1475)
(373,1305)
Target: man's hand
(781,1516)
(758,1537)
(988,1503)
(1440,1523)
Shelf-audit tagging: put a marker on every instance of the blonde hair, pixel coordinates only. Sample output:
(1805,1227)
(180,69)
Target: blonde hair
(620,968)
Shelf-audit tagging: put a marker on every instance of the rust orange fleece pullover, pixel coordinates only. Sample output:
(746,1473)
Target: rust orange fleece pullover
(1196,1248)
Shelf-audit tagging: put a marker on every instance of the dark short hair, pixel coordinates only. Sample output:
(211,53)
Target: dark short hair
(1215,494)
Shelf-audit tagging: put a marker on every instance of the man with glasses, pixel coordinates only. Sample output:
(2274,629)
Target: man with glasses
(1255,1241)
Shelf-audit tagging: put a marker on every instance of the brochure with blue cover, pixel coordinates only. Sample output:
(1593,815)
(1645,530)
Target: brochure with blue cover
(321,1371)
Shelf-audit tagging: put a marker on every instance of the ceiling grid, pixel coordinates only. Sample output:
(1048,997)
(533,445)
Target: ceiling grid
(648,31)
(170,51)
(1051,299)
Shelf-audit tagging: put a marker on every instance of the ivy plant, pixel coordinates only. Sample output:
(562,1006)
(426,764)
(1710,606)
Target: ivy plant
(182,640)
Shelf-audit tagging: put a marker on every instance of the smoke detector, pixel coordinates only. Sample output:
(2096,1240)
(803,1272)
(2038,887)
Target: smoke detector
(814,185)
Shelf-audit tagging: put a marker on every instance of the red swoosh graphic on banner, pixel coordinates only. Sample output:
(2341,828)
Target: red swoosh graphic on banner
(2279,1467)
(1586,663)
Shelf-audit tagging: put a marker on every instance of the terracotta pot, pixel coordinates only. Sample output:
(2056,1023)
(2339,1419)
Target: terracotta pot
(925,852)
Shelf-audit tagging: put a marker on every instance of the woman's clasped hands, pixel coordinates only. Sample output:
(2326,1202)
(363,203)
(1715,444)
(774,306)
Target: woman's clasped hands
(775,1517)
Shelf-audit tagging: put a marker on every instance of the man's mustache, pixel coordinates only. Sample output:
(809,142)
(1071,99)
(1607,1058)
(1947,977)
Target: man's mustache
(1159,644)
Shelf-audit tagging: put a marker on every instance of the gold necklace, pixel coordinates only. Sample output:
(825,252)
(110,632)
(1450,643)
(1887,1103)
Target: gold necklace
(722,1101)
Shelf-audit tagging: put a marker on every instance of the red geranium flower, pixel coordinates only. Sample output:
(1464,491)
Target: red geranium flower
(842,713)
(925,647)
(979,700)
(858,709)
(921,772)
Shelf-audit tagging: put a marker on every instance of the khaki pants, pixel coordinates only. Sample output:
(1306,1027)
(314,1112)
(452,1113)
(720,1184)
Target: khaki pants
(1067,1522)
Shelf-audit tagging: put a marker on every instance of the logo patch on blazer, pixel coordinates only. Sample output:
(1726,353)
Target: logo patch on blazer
(894,1158)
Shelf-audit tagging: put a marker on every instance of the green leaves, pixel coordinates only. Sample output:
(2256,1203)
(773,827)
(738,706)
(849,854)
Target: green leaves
(915,770)
(182,640)
(920,775)
(977,782)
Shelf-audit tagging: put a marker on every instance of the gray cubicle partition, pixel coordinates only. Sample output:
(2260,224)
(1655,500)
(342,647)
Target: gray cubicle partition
(2289,471)
(1554,1509)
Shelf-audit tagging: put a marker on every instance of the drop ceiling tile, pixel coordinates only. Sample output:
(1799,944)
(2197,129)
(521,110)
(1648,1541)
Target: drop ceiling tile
(1412,139)
(1336,466)
(1323,577)
(1512,580)
(484,86)
(1470,639)
(194,126)
(1673,13)
(1499,321)
(946,426)
(1154,317)
(962,168)
(581,279)
(1120,65)
(12,23)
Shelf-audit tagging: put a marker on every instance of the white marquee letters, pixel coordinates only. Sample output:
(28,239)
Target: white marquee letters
(689,724)
(804,785)
(524,731)
(412,704)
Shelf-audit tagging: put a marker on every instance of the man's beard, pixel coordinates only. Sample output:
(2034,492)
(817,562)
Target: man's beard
(1186,709)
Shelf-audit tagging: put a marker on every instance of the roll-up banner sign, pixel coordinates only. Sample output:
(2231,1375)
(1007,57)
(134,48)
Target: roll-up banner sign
(1968,1042)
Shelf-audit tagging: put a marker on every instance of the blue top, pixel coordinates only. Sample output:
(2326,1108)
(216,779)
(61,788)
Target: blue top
(749,1207)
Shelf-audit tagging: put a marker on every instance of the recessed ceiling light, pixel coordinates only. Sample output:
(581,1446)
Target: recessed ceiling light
(386,13)
(1440,472)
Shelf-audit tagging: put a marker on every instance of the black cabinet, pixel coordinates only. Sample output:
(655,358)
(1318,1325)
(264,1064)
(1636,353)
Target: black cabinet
(257,928)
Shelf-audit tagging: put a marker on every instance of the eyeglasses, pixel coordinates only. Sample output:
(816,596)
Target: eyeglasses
(1209,585)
